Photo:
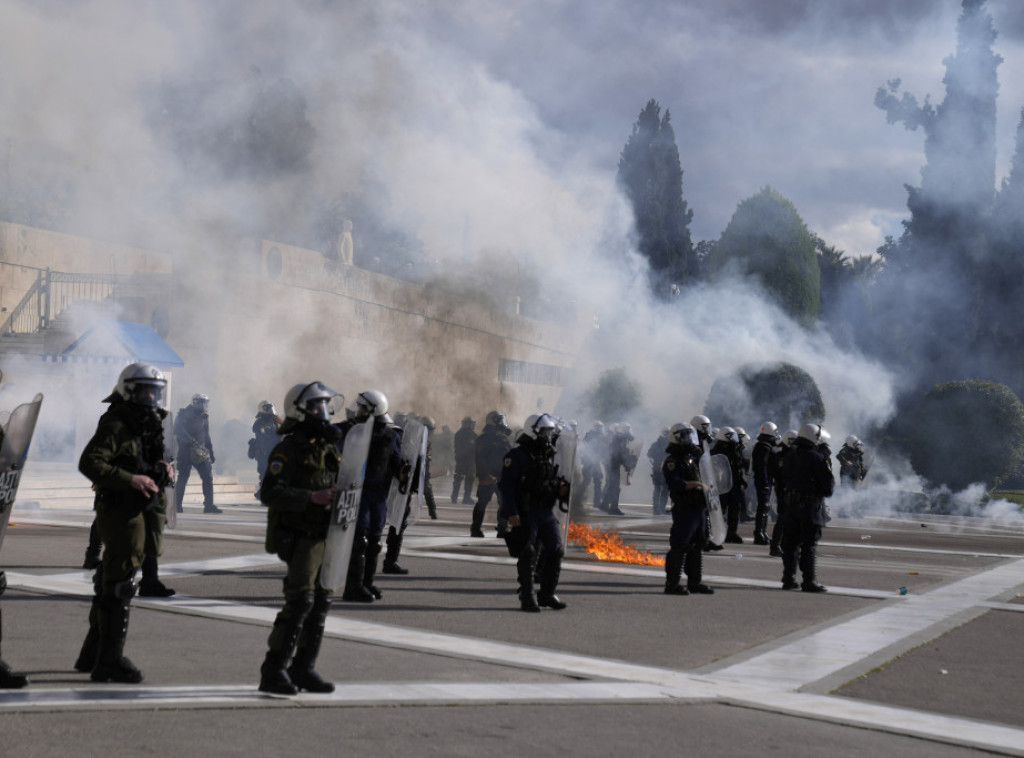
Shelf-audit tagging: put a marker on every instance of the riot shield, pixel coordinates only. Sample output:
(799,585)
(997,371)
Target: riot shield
(17,435)
(420,470)
(345,508)
(716,473)
(565,463)
(414,436)
(634,449)
(170,504)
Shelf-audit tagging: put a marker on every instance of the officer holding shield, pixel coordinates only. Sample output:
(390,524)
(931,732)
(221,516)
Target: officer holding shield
(681,468)
(299,488)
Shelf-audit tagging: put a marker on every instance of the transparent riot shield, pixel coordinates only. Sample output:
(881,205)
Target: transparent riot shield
(565,463)
(414,436)
(716,473)
(634,449)
(170,503)
(17,435)
(416,502)
(345,508)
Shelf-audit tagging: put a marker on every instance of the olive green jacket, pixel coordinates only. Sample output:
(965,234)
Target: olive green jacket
(297,468)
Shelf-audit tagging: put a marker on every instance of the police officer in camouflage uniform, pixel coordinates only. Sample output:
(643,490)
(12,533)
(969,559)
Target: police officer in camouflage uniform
(195,449)
(299,488)
(125,462)
(530,489)
(689,513)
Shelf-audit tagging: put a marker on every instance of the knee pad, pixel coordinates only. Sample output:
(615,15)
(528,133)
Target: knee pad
(300,602)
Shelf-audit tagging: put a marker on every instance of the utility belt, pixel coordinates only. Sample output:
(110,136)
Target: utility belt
(133,500)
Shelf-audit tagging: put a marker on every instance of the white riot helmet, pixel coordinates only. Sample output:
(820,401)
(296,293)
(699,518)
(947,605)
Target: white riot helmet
(853,442)
(370,403)
(741,433)
(813,433)
(540,426)
(769,428)
(142,384)
(496,418)
(201,401)
(726,434)
(267,407)
(701,423)
(683,434)
(310,400)
(788,437)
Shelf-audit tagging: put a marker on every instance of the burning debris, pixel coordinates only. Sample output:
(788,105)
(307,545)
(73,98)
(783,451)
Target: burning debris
(608,546)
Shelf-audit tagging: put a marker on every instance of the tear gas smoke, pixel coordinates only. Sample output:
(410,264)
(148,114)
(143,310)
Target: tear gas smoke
(158,121)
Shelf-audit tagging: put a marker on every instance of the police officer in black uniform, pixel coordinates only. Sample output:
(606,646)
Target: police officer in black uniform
(491,446)
(593,453)
(299,488)
(265,438)
(656,455)
(760,458)
(727,444)
(689,513)
(383,464)
(464,444)
(851,462)
(125,462)
(530,489)
(809,480)
(195,449)
(777,470)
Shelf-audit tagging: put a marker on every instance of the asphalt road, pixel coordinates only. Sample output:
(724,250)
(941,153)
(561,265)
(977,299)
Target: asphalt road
(447,665)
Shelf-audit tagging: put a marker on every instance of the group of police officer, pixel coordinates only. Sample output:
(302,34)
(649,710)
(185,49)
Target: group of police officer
(126,461)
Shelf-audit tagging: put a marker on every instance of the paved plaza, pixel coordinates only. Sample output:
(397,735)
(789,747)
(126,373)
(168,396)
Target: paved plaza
(447,665)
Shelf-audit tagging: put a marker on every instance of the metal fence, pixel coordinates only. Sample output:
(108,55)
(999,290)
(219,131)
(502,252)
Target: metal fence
(51,294)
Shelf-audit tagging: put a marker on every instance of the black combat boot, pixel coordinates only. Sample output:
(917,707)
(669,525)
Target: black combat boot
(760,524)
(373,549)
(674,573)
(391,564)
(151,586)
(789,570)
(475,529)
(808,571)
(524,568)
(694,566)
(301,671)
(86,661)
(551,570)
(355,592)
(8,679)
(111,663)
(455,490)
(281,644)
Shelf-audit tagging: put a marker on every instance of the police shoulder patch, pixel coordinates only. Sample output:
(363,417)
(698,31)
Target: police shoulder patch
(670,464)
(508,462)
(275,467)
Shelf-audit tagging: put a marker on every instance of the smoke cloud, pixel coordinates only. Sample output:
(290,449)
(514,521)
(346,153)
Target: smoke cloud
(482,135)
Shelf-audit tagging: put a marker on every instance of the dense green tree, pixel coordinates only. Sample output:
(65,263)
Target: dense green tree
(614,395)
(766,238)
(651,177)
(966,432)
(755,393)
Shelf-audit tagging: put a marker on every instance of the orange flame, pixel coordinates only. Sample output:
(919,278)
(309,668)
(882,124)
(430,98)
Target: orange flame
(608,546)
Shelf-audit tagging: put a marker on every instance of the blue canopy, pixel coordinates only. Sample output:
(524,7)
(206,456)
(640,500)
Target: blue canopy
(109,341)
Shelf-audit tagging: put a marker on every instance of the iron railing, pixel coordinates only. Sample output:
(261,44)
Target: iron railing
(51,294)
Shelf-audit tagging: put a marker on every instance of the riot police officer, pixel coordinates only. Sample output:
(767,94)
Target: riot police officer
(656,455)
(777,471)
(809,481)
(760,458)
(125,462)
(264,429)
(491,447)
(383,464)
(195,449)
(530,489)
(397,536)
(851,462)
(593,453)
(299,487)
(620,456)
(464,443)
(689,512)
(727,444)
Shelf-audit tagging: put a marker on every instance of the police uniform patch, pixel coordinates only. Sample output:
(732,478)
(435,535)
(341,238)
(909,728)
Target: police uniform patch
(508,462)
(276,467)
(670,464)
